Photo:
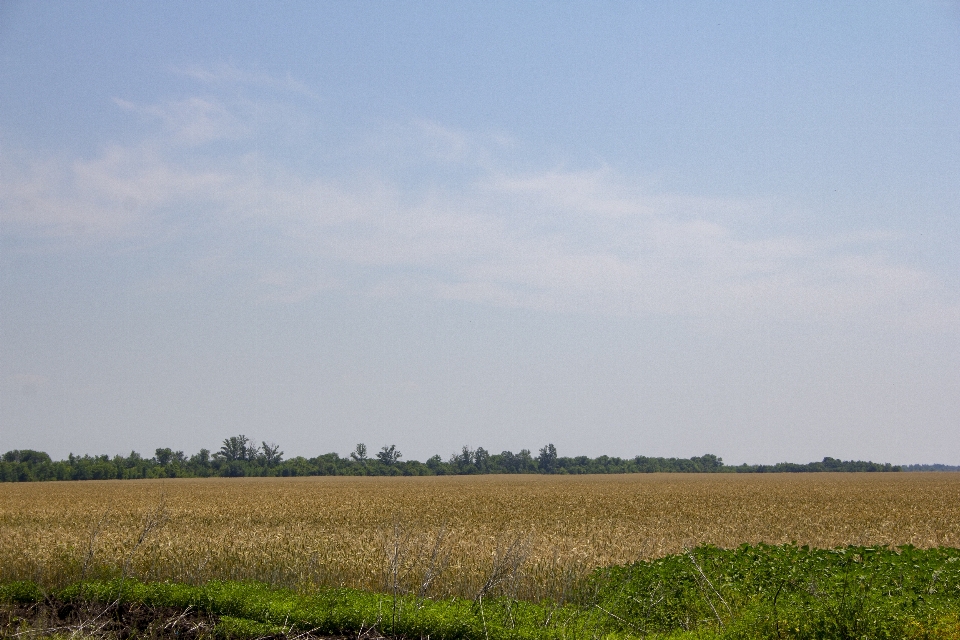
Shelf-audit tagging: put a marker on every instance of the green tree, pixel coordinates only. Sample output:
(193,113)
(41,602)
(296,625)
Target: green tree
(360,453)
(462,462)
(201,460)
(547,460)
(389,455)
(436,465)
(27,456)
(235,448)
(481,460)
(164,456)
(271,454)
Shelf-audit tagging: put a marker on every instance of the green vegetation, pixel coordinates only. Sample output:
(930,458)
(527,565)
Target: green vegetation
(930,467)
(240,457)
(750,592)
(787,591)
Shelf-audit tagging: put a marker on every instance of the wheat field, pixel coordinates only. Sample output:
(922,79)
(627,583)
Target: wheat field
(447,535)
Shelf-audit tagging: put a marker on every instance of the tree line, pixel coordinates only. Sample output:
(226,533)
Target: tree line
(239,456)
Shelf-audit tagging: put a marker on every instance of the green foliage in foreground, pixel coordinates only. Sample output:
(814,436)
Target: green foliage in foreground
(787,591)
(747,593)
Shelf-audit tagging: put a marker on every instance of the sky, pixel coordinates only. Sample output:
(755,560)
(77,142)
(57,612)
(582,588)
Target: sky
(625,228)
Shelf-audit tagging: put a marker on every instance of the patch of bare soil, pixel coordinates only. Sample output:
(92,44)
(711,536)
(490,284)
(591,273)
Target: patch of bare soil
(124,621)
(110,622)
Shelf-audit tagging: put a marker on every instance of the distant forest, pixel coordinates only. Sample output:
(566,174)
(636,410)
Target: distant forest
(238,457)
(929,467)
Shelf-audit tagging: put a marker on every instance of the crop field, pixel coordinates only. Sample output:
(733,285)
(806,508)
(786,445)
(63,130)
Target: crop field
(443,536)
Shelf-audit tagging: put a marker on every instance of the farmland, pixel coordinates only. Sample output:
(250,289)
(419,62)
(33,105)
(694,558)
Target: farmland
(446,535)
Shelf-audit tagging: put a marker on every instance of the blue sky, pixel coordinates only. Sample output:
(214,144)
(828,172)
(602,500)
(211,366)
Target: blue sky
(624,228)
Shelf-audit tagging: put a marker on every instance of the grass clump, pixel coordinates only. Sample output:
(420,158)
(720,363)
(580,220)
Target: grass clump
(20,592)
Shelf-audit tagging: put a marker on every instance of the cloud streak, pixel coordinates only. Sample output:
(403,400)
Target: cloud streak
(468,226)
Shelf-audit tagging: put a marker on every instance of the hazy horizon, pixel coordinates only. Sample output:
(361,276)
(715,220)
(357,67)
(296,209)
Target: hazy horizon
(372,452)
(660,229)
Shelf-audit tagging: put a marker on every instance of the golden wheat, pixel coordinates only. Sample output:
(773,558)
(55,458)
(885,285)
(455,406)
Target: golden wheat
(447,535)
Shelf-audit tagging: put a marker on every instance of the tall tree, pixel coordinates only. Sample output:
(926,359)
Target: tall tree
(389,455)
(360,453)
(547,460)
(235,448)
(271,454)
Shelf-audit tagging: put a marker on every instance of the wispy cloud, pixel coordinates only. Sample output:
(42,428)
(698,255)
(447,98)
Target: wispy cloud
(192,121)
(118,194)
(597,240)
(229,75)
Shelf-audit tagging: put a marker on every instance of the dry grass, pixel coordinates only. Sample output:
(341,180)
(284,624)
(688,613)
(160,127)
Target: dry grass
(534,536)
(69,621)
